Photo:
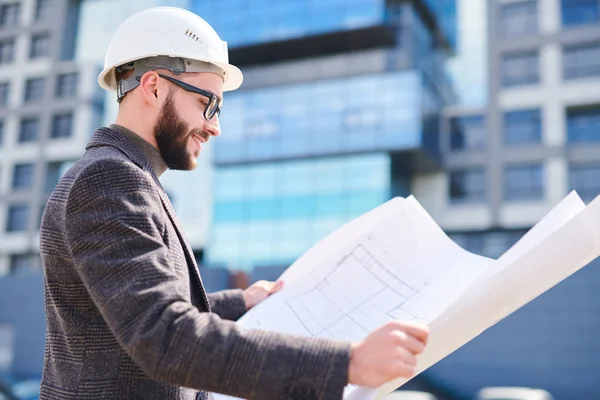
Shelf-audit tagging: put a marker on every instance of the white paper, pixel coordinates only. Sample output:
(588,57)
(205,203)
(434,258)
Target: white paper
(554,258)
(569,207)
(371,280)
(396,263)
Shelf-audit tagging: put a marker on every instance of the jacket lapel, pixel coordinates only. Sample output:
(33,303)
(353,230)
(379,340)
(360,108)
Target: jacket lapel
(185,244)
(107,137)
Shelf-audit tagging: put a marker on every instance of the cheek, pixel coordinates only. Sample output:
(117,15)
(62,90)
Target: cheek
(187,110)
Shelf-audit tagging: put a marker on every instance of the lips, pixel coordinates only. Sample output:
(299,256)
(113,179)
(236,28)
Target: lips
(199,138)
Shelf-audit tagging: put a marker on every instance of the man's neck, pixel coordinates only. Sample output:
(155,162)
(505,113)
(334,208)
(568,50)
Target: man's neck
(129,124)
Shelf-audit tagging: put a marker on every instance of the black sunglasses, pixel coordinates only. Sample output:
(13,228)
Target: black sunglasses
(213,107)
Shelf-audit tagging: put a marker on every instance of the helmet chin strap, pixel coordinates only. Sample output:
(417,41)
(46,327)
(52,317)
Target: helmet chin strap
(176,65)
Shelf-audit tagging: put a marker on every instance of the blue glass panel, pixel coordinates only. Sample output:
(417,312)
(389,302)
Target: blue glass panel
(583,177)
(374,112)
(468,185)
(519,19)
(522,127)
(228,211)
(467,133)
(579,12)
(243,22)
(520,68)
(583,124)
(581,60)
(524,182)
(297,206)
(445,13)
(271,213)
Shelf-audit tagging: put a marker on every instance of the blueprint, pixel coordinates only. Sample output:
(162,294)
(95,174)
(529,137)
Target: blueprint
(395,262)
(374,280)
(401,266)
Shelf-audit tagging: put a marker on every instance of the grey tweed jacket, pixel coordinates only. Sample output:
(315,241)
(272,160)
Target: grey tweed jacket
(127,314)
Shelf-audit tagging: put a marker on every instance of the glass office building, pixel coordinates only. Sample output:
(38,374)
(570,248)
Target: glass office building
(317,137)
(446,14)
(246,23)
(375,112)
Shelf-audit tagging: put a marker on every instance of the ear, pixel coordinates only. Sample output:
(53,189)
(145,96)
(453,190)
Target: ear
(150,88)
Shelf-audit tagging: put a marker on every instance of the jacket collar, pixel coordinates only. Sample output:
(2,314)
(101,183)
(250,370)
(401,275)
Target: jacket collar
(108,137)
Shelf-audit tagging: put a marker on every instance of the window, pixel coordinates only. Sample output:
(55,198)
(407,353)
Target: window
(522,127)
(21,263)
(62,125)
(40,46)
(581,60)
(40,216)
(467,186)
(29,130)
(23,175)
(489,244)
(584,178)
(43,8)
(519,19)
(523,182)
(579,12)
(583,124)
(4,93)
(34,89)
(520,69)
(293,123)
(18,216)
(467,133)
(7,51)
(66,85)
(54,172)
(9,14)
(1,132)
(473,242)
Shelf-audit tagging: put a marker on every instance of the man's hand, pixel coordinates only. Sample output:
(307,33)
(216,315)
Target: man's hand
(387,353)
(259,291)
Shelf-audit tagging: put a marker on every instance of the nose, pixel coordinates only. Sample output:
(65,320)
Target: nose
(213,127)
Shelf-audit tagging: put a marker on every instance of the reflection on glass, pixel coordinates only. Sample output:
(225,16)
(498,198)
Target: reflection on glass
(243,22)
(369,112)
(269,214)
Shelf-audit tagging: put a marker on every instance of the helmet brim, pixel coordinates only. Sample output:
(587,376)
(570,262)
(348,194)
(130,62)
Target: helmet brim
(232,81)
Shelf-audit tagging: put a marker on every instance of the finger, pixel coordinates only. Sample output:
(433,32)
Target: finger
(414,345)
(410,359)
(405,370)
(276,287)
(419,331)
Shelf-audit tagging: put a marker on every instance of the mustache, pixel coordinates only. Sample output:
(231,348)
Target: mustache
(202,133)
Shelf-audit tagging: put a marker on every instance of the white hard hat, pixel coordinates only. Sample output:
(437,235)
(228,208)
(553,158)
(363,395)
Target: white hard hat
(171,32)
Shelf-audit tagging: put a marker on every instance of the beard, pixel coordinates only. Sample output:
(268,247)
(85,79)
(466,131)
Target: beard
(172,136)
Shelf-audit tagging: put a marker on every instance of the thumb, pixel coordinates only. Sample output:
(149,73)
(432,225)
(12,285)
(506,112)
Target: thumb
(276,287)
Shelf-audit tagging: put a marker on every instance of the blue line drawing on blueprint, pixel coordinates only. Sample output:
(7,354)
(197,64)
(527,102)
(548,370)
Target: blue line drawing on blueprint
(356,296)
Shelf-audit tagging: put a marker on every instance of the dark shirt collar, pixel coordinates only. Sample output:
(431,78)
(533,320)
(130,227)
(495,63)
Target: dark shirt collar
(157,163)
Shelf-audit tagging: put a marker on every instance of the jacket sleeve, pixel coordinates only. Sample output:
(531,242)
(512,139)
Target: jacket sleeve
(114,229)
(228,304)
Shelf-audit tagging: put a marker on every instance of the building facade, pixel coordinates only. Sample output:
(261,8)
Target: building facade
(301,155)
(48,104)
(487,111)
(508,164)
(339,110)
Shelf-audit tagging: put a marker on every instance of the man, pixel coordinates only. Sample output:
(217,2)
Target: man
(127,314)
